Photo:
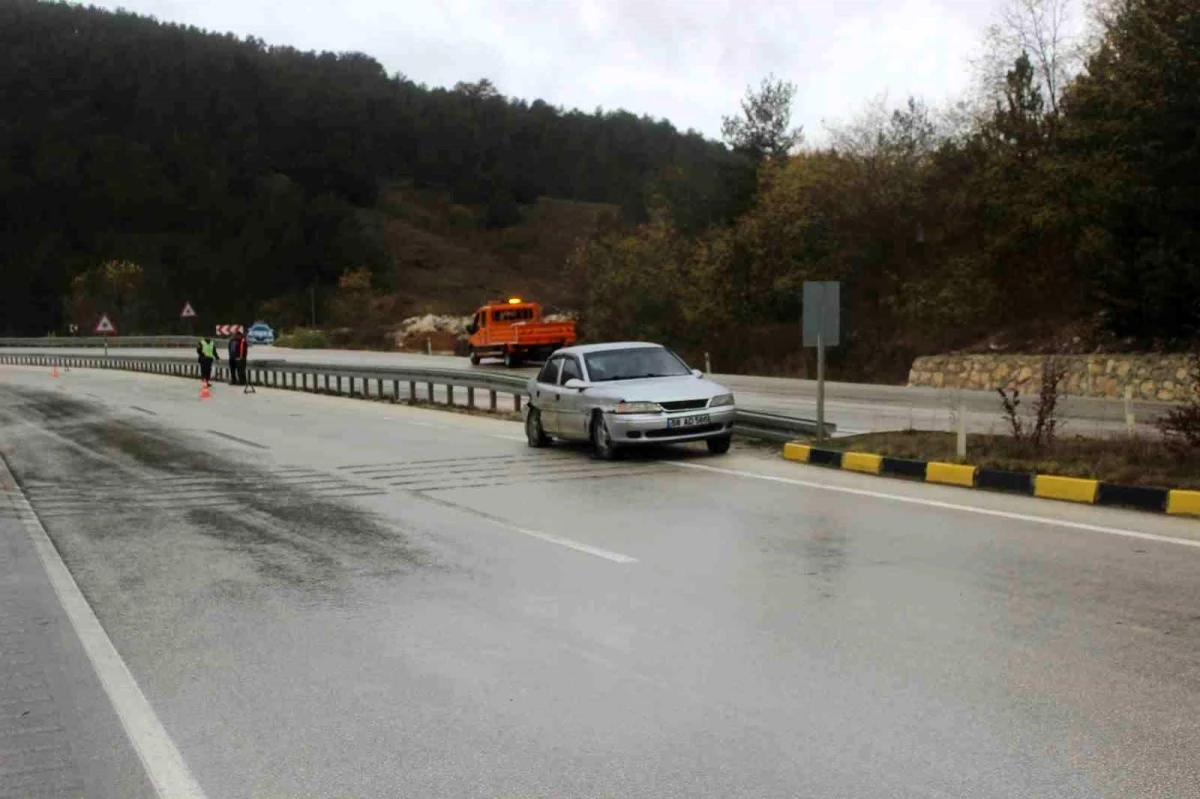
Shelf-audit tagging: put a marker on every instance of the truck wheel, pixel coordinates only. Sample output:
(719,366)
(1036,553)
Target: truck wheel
(474,357)
(511,360)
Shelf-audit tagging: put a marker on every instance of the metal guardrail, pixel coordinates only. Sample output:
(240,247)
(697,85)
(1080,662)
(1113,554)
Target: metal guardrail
(775,427)
(376,382)
(101,341)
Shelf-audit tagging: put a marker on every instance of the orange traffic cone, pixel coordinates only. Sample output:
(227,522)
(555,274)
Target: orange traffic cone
(205,392)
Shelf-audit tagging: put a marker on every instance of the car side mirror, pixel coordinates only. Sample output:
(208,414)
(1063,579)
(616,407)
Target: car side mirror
(576,384)
(697,373)
(472,329)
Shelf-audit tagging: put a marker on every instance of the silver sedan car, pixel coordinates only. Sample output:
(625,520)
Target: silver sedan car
(626,394)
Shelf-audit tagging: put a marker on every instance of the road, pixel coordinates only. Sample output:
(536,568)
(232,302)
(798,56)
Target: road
(321,597)
(854,407)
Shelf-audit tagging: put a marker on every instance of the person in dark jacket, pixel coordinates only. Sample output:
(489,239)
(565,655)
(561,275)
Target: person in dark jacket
(207,352)
(239,350)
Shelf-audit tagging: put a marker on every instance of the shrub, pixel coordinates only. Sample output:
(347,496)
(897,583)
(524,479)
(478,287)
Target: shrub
(1180,427)
(1046,422)
(304,339)
(1045,411)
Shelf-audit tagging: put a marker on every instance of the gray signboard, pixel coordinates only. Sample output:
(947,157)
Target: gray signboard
(822,312)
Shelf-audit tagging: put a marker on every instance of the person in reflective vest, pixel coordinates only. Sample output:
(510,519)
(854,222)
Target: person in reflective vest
(207,351)
(239,350)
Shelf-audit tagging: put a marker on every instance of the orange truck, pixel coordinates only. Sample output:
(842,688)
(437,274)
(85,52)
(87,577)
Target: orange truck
(514,330)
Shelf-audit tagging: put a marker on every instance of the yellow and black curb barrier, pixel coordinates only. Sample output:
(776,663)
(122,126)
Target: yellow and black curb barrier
(1068,489)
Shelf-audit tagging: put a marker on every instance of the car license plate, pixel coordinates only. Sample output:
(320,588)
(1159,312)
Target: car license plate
(687,421)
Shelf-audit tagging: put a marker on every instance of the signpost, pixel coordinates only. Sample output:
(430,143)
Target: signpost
(821,323)
(188,314)
(105,327)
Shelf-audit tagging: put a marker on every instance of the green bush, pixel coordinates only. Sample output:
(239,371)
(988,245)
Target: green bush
(304,339)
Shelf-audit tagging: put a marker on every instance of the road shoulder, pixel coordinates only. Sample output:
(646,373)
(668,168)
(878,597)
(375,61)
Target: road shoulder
(59,734)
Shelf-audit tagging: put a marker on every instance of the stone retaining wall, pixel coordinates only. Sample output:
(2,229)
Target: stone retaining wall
(1167,378)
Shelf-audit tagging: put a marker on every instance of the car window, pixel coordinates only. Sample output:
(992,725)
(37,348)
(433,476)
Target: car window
(549,373)
(571,369)
(513,314)
(633,363)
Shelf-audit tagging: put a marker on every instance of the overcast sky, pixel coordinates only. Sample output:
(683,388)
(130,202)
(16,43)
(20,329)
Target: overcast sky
(686,60)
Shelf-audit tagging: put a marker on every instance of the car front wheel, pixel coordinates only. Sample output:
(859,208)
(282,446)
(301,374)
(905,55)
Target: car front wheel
(602,443)
(719,446)
(534,432)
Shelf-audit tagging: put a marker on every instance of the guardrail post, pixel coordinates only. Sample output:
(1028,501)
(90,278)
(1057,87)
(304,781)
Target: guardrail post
(352,387)
(960,446)
(379,388)
(492,399)
(449,394)
(1130,422)
(395,391)
(412,392)
(517,403)
(430,387)
(470,396)
(339,385)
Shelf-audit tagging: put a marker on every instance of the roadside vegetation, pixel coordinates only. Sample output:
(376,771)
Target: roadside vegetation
(1034,443)
(303,339)
(1061,201)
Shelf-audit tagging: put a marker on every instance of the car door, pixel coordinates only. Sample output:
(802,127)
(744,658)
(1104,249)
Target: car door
(572,422)
(546,394)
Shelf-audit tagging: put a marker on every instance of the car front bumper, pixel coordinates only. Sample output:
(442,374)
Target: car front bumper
(632,429)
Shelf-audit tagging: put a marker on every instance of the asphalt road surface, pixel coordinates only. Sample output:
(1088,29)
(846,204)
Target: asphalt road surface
(327,598)
(854,407)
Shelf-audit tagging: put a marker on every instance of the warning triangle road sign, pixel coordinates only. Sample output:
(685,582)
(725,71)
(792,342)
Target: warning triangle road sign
(188,311)
(105,325)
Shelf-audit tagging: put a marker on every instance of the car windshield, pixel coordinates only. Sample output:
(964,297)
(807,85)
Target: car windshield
(634,363)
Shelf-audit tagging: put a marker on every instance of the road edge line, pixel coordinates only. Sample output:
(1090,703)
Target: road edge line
(162,761)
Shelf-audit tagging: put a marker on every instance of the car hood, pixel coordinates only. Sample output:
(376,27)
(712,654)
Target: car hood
(659,389)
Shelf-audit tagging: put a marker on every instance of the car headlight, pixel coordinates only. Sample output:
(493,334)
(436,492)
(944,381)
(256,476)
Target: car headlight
(721,401)
(638,407)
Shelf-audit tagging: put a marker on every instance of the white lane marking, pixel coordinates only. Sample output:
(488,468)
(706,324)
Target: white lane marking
(615,557)
(163,763)
(933,503)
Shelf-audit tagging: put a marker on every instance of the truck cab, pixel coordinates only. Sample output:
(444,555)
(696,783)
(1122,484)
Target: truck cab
(513,331)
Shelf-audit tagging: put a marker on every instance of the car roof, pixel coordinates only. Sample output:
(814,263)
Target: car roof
(587,349)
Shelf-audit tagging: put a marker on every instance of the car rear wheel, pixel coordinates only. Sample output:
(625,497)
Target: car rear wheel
(602,443)
(474,357)
(534,432)
(510,359)
(719,446)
